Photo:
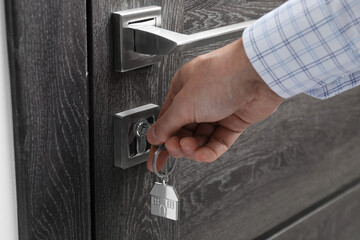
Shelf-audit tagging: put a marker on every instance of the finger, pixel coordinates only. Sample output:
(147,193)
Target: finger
(192,126)
(184,132)
(189,146)
(235,123)
(173,147)
(202,134)
(161,160)
(176,116)
(217,145)
(190,143)
(201,139)
(205,129)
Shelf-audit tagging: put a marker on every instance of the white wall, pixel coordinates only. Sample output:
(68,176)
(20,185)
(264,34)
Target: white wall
(8,214)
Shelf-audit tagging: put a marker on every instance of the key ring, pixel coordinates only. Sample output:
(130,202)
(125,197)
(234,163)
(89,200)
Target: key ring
(163,176)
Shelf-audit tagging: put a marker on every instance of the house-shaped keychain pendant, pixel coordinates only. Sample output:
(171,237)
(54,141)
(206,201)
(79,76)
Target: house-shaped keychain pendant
(164,201)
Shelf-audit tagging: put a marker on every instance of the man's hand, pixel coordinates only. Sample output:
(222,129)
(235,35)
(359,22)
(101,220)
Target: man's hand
(212,99)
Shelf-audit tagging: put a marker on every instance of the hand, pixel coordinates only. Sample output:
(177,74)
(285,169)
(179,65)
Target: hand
(212,99)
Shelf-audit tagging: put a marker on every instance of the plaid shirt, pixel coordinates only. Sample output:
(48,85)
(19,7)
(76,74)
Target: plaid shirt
(310,46)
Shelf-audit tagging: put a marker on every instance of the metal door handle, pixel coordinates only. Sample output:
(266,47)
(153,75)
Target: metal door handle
(139,40)
(158,41)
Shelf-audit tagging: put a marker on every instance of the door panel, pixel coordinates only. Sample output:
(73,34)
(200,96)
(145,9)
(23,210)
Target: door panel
(297,157)
(276,169)
(122,196)
(337,219)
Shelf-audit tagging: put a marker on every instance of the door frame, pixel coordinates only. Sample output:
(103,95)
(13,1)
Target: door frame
(47,45)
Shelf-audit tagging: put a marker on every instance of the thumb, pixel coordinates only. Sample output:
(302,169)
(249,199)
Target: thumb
(176,116)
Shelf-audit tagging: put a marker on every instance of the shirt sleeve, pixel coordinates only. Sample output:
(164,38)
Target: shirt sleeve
(310,46)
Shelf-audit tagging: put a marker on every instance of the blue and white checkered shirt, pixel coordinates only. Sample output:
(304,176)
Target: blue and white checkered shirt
(310,46)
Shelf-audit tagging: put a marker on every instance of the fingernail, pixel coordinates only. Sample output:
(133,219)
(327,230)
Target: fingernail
(153,133)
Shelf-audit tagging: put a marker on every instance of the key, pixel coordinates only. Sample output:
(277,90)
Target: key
(140,129)
(164,198)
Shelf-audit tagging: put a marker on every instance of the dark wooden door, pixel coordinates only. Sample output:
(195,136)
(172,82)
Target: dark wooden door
(285,178)
(278,170)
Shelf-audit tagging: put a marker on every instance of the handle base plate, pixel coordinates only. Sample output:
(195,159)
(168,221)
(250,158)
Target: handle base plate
(125,58)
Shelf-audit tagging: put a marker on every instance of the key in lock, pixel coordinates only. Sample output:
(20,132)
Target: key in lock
(140,129)
(130,127)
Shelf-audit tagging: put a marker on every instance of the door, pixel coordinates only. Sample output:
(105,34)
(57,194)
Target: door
(283,176)
(278,168)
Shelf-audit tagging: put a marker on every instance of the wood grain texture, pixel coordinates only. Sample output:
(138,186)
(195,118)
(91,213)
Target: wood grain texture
(278,167)
(337,219)
(122,209)
(203,15)
(307,150)
(48,65)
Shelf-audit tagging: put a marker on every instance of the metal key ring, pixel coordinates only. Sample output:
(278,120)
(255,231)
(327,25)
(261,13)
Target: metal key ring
(156,155)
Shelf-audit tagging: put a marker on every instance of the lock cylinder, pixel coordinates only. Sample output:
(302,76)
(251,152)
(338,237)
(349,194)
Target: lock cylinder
(130,145)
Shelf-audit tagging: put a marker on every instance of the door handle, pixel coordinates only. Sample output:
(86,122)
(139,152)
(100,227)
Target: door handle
(139,39)
(158,41)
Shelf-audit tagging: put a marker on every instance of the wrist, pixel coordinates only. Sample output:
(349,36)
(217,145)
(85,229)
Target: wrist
(249,77)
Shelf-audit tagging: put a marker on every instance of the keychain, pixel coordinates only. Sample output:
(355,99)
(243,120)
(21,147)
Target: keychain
(164,198)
